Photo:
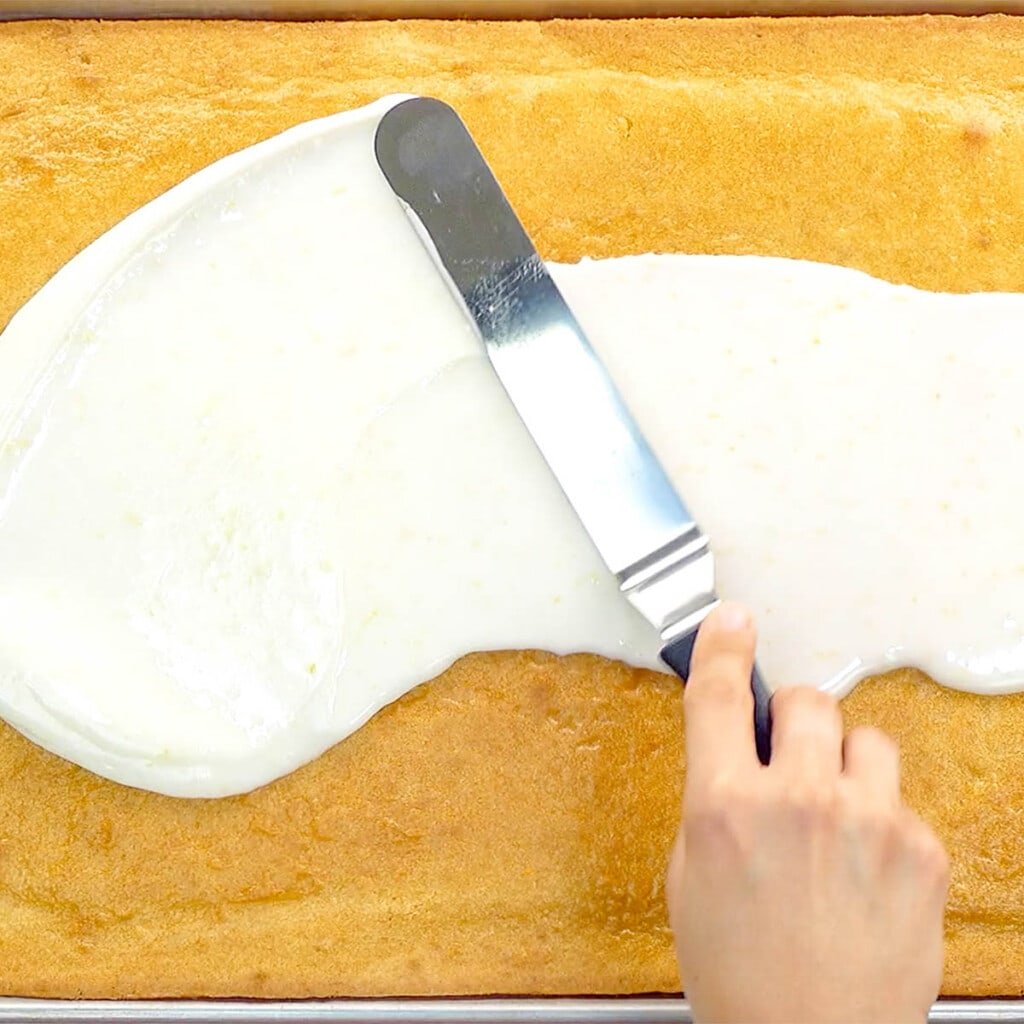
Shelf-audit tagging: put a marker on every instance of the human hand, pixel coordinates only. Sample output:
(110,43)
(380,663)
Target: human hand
(804,890)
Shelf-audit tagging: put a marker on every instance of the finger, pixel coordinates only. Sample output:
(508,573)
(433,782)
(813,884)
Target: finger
(719,704)
(924,858)
(807,733)
(871,761)
(674,878)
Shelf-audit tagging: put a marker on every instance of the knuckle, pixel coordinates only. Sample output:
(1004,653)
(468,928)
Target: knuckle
(705,820)
(700,815)
(806,699)
(716,796)
(813,803)
(873,737)
(873,823)
(927,850)
(935,859)
(716,812)
(719,688)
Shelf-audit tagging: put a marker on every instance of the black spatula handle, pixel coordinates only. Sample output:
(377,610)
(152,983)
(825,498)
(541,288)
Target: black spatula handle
(677,656)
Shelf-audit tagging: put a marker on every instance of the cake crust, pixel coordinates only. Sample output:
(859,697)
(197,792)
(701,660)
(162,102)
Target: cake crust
(505,828)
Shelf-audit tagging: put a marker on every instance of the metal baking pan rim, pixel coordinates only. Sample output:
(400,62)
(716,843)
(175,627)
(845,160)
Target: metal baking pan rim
(550,1010)
(304,10)
(650,1009)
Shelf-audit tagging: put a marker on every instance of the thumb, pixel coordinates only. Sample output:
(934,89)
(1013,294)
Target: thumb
(674,877)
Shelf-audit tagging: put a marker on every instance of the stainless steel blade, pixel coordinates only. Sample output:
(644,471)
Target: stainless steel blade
(562,392)
(640,526)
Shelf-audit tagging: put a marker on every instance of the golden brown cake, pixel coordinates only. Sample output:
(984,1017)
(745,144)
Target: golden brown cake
(505,828)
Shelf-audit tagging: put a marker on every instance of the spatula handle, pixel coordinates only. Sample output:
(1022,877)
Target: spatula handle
(677,656)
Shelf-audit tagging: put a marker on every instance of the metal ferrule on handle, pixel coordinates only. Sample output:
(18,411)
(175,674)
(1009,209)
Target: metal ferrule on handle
(674,588)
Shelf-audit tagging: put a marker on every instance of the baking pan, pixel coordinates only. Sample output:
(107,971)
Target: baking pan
(312,9)
(648,1010)
(493,1010)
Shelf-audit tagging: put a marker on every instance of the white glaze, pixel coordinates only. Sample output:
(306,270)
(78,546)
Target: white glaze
(257,480)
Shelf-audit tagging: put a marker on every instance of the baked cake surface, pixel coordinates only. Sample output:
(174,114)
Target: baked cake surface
(504,829)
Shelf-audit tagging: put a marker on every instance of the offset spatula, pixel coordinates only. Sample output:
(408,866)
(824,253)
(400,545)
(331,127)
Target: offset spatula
(562,392)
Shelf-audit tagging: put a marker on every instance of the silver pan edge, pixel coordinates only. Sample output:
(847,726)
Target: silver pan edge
(597,1010)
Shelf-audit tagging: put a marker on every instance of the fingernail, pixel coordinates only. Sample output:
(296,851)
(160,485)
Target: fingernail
(732,617)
